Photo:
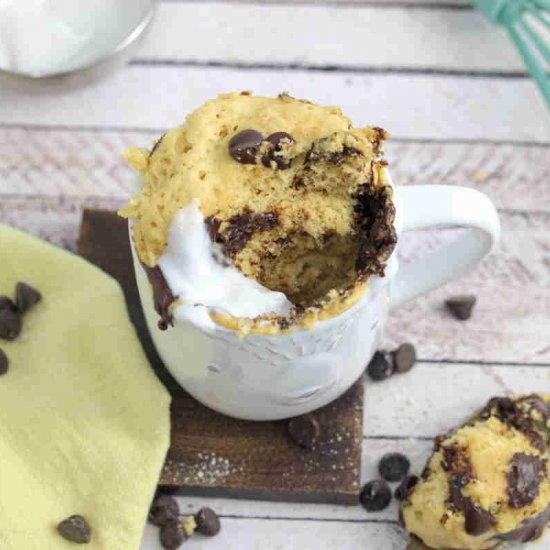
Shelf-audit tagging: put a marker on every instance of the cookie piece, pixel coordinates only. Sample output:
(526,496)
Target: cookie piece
(488,481)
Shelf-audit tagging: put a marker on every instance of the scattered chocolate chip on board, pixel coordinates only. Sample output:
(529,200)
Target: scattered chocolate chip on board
(208,522)
(164,508)
(380,366)
(375,495)
(4,362)
(394,466)
(304,430)
(171,534)
(404,358)
(461,306)
(75,529)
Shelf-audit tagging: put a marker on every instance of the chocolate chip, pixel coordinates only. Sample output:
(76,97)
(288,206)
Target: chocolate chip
(162,295)
(75,529)
(461,306)
(6,303)
(477,520)
(241,227)
(172,535)
(163,509)
(273,154)
(375,495)
(4,362)
(394,466)
(10,324)
(525,475)
(244,146)
(208,522)
(26,296)
(404,358)
(404,488)
(380,366)
(304,430)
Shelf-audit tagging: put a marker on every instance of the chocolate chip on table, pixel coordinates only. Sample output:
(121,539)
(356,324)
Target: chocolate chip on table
(461,306)
(380,366)
(75,529)
(172,535)
(26,296)
(375,495)
(304,430)
(208,522)
(4,363)
(402,491)
(10,324)
(164,508)
(394,466)
(404,358)
(276,140)
(244,146)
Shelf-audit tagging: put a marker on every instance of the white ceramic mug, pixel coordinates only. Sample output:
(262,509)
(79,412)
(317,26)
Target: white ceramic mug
(265,377)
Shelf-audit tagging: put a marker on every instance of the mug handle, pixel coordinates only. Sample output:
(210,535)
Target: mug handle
(439,206)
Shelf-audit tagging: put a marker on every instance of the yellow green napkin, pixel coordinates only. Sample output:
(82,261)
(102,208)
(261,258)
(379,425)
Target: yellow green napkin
(84,423)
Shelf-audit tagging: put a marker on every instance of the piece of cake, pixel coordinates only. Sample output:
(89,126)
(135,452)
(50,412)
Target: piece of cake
(290,196)
(488,481)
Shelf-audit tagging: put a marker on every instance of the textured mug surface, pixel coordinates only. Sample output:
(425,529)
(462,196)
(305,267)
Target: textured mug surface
(269,377)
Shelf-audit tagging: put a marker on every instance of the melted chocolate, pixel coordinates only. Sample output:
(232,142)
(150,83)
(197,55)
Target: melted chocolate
(240,229)
(375,214)
(509,412)
(525,475)
(162,296)
(476,520)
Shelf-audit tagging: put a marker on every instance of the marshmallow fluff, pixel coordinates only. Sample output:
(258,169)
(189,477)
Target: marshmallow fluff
(200,276)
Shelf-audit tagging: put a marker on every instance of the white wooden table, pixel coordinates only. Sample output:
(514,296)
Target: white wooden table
(454,95)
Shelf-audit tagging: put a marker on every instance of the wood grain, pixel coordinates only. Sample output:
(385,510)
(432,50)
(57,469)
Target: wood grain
(212,454)
(258,534)
(355,36)
(408,105)
(84,164)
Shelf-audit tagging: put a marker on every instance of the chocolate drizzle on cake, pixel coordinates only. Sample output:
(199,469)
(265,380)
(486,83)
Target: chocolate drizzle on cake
(375,215)
(162,296)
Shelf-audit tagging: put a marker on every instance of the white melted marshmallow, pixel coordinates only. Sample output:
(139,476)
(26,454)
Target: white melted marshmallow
(198,274)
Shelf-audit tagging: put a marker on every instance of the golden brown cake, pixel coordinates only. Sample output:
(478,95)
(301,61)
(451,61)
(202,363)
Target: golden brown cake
(294,196)
(488,481)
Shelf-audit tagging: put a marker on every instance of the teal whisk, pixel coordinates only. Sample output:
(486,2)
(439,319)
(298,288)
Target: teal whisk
(526,22)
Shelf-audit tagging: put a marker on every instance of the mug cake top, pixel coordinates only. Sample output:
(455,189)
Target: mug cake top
(293,196)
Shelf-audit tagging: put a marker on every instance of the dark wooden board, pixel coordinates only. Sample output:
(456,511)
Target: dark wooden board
(212,454)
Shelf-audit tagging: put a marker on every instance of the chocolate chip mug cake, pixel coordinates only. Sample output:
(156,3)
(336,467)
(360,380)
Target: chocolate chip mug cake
(274,213)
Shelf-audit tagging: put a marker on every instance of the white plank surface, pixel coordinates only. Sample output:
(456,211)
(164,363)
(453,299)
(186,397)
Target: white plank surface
(84,164)
(409,106)
(58,154)
(316,35)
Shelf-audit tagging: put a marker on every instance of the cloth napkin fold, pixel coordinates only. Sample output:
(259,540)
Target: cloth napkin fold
(84,422)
